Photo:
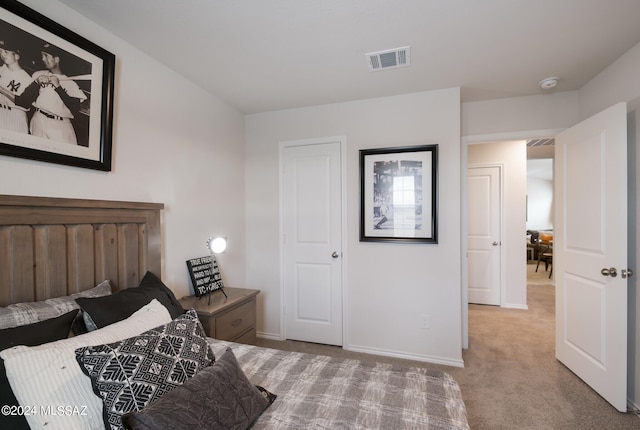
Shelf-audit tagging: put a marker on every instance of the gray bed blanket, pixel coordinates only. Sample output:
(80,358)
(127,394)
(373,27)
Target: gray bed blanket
(320,392)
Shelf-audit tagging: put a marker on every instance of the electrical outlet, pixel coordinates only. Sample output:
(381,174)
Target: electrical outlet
(425,322)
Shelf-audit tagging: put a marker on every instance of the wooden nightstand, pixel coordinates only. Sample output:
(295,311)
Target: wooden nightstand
(231,318)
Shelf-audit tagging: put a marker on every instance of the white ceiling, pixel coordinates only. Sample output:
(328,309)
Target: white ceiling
(262,55)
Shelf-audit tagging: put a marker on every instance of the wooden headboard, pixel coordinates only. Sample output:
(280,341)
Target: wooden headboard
(52,247)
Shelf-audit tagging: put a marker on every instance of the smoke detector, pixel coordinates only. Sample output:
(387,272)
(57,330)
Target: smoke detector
(389,59)
(548,83)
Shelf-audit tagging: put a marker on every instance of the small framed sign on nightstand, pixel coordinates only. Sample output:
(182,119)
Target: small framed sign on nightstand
(231,318)
(205,275)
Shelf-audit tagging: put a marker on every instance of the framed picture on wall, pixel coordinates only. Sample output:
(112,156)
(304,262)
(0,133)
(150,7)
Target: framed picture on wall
(399,194)
(56,92)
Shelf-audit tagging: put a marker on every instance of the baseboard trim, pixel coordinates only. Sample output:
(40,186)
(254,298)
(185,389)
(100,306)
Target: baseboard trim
(270,336)
(406,356)
(515,306)
(632,407)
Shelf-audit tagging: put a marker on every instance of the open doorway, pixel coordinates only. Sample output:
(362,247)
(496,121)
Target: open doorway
(509,151)
(540,209)
(509,156)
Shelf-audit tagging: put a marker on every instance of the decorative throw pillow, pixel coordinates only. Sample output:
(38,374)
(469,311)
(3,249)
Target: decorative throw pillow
(31,312)
(48,375)
(219,397)
(101,311)
(129,374)
(30,335)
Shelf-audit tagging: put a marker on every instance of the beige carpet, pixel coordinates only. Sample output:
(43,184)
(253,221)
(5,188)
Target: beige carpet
(511,379)
(541,277)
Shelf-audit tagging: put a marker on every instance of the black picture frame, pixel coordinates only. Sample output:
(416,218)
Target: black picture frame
(398,194)
(205,275)
(84,63)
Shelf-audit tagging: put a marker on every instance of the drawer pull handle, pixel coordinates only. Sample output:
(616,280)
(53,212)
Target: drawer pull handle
(237,322)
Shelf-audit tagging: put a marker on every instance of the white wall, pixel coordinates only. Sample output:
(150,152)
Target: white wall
(384,305)
(540,194)
(620,82)
(633,334)
(512,156)
(172,143)
(520,114)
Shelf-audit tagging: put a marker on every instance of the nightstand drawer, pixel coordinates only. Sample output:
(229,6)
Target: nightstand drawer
(229,317)
(248,338)
(235,322)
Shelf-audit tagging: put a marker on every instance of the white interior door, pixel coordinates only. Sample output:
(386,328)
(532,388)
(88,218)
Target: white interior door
(590,239)
(312,212)
(483,230)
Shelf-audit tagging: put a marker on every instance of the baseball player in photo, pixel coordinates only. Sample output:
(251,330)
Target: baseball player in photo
(13,81)
(55,97)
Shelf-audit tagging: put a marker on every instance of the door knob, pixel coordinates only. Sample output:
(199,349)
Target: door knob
(494,243)
(335,254)
(611,271)
(626,273)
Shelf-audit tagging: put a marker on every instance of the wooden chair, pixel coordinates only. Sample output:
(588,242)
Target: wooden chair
(532,245)
(547,257)
(545,252)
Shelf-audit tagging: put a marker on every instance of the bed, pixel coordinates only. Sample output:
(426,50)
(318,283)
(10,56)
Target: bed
(54,248)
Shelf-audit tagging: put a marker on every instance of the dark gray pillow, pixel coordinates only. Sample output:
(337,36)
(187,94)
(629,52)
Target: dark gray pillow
(106,310)
(220,396)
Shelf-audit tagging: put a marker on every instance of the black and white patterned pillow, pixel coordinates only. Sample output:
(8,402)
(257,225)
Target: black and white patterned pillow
(129,374)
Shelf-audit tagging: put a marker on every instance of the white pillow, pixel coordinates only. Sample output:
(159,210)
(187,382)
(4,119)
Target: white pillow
(48,377)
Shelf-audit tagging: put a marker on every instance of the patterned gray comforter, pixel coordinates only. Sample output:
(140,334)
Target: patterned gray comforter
(319,392)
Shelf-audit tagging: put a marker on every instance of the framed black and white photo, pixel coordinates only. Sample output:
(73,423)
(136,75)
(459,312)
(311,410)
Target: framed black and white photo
(56,92)
(399,194)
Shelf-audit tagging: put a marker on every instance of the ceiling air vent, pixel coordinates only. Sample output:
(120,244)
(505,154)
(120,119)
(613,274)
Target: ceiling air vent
(540,142)
(389,59)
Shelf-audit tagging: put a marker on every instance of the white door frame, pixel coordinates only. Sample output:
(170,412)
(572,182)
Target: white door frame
(343,219)
(465,142)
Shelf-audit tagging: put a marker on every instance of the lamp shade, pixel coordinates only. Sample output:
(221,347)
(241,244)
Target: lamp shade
(217,245)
